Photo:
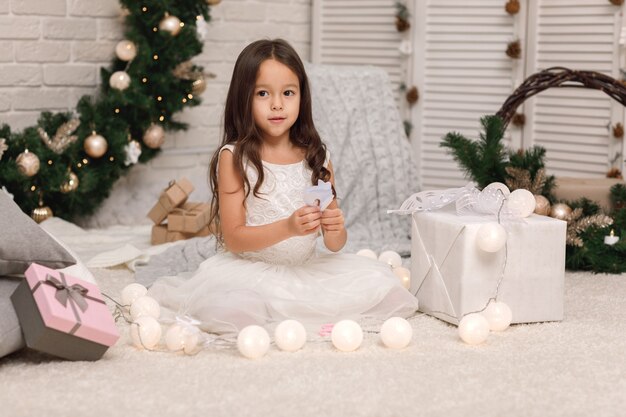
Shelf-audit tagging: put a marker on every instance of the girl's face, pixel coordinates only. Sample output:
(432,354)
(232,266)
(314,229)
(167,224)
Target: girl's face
(276,101)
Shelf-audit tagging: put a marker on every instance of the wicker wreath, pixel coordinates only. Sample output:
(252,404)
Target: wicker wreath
(560,77)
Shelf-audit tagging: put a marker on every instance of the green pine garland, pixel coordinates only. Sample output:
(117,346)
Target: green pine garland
(114,114)
(485,160)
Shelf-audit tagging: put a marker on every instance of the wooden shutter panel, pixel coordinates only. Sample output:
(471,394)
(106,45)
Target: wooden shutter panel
(358,32)
(574,124)
(463,73)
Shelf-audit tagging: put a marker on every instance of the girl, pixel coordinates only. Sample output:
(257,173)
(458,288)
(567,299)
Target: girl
(268,269)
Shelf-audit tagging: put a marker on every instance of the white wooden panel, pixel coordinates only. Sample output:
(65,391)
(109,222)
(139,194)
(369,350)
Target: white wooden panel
(358,32)
(464,74)
(572,124)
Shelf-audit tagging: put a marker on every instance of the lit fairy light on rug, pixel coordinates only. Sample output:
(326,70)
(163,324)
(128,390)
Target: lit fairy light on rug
(143,314)
(465,266)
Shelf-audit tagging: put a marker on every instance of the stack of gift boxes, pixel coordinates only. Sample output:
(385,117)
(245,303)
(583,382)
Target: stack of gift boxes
(184,219)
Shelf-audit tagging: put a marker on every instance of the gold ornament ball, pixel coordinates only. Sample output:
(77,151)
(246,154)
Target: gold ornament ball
(27,163)
(542,205)
(70,184)
(170,24)
(42,213)
(95,145)
(560,211)
(213,2)
(154,136)
(198,86)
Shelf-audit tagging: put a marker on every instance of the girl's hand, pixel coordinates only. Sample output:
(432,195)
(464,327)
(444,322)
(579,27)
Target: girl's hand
(304,221)
(333,221)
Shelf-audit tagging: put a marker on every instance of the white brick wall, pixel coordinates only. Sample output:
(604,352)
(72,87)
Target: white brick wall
(51,51)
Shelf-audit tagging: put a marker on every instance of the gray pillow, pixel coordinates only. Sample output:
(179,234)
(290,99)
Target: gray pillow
(22,242)
(11,338)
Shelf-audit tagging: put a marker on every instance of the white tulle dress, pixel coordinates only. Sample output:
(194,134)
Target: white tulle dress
(287,280)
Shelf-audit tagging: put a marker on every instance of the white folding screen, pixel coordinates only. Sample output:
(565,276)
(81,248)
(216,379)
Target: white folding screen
(462,72)
(574,125)
(358,32)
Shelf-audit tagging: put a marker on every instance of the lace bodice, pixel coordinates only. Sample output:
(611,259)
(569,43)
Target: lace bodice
(281,194)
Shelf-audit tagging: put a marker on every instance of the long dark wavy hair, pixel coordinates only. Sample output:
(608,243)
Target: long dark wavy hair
(241,131)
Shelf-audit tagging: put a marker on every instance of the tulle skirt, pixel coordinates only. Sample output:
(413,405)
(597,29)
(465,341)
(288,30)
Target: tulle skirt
(228,292)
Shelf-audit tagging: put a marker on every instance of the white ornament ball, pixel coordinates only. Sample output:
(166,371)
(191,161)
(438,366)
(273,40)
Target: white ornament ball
(145,306)
(368,253)
(125,50)
(396,333)
(183,338)
(290,335)
(491,237)
(494,186)
(347,335)
(145,332)
(170,24)
(390,257)
(154,136)
(498,315)
(131,292)
(120,80)
(473,329)
(521,203)
(253,342)
(404,275)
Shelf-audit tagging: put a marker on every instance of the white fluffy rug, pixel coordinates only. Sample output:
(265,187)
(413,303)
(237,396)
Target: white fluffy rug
(573,368)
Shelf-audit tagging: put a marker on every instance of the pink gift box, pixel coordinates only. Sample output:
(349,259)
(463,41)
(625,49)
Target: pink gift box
(63,315)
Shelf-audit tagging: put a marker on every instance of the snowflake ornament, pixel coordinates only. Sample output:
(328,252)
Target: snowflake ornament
(3,146)
(133,151)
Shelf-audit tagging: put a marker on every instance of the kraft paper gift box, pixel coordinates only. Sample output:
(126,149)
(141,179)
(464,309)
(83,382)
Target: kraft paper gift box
(160,234)
(189,218)
(173,196)
(451,276)
(595,189)
(63,315)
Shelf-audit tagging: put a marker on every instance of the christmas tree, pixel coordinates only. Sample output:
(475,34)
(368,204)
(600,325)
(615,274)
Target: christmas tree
(69,161)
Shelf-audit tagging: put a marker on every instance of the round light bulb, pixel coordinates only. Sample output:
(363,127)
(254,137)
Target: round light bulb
(391,258)
(404,275)
(346,335)
(498,187)
(396,333)
(131,292)
(125,50)
(498,315)
(120,80)
(521,203)
(368,253)
(183,338)
(145,306)
(473,329)
(253,342)
(290,335)
(491,237)
(145,332)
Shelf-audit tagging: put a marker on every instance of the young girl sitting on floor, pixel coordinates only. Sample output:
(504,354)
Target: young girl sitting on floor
(268,269)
